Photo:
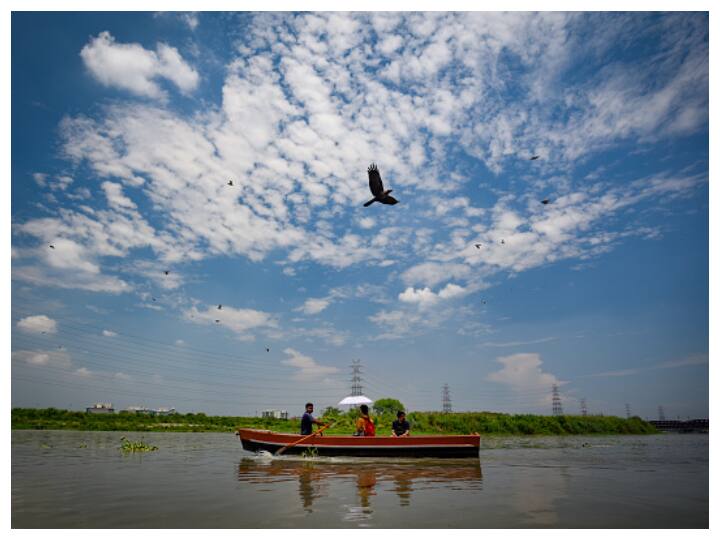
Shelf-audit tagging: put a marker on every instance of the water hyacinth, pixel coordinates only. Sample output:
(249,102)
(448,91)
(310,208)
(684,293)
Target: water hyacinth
(136,446)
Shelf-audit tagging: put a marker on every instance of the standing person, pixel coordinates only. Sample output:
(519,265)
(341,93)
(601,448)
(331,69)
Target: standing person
(401,427)
(308,420)
(364,426)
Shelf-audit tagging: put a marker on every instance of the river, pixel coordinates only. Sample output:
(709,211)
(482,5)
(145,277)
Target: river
(74,479)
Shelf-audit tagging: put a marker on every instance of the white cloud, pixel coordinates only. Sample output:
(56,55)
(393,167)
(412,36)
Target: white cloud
(83,372)
(38,324)
(308,368)
(40,179)
(522,372)
(51,358)
(425,297)
(312,306)
(240,321)
(132,67)
(109,333)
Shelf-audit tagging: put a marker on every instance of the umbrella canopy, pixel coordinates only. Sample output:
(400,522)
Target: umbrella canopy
(355,400)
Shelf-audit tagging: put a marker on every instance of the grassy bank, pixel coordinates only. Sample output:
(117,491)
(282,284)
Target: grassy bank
(422,422)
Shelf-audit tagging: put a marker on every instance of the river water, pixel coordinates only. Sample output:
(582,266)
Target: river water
(82,480)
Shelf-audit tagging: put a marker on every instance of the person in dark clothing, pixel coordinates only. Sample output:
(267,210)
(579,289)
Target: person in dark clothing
(401,427)
(308,420)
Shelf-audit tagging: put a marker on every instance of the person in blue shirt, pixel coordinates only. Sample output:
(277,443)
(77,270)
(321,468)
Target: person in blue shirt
(308,420)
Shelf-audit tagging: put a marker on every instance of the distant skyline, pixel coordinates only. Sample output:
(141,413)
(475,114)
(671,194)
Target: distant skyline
(141,277)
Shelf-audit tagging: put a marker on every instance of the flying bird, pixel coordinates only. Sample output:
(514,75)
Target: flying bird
(217,321)
(52,247)
(219,306)
(380,194)
(167,272)
(267,349)
(478,246)
(534,158)
(502,241)
(154,299)
(230,183)
(545,201)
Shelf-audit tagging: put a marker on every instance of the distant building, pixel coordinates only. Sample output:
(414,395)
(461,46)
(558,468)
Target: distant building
(100,408)
(281,415)
(160,411)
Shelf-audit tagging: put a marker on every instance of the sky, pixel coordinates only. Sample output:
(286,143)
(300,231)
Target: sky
(141,277)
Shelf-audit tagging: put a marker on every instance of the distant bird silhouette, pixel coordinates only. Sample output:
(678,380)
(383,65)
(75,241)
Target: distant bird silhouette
(52,247)
(267,349)
(478,246)
(534,158)
(545,201)
(217,321)
(230,183)
(380,194)
(154,299)
(219,306)
(502,241)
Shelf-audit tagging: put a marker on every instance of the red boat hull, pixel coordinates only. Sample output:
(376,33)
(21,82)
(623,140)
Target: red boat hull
(438,446)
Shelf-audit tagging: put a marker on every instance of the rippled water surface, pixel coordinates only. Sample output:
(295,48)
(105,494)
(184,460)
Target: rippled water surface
(82,479)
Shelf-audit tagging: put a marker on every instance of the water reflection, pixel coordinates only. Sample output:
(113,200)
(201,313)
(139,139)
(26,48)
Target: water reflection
(315,476)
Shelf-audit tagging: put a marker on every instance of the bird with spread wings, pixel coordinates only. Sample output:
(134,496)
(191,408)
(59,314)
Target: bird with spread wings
(380,194)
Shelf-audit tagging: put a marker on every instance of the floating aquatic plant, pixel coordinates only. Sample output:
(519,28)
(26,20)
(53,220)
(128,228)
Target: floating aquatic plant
(136,446)
(311,452)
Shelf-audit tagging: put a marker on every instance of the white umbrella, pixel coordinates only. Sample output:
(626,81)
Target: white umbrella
(355,400)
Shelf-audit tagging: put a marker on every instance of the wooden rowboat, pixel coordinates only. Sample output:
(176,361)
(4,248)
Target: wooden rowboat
(442,446)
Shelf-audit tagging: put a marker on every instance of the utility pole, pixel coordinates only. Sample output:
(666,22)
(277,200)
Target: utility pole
(627,410)
(557,404)
(583,407)
(661,413)
(446,403)
(356,389)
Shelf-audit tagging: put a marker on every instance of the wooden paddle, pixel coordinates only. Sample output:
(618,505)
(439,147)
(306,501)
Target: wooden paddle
(301,440)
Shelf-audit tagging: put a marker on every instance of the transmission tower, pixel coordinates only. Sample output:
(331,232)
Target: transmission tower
(661,414)
(356,389)
(446,403)
(557,404)
(627,410)
(583,407)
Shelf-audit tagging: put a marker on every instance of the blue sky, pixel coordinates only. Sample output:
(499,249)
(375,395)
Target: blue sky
(126,128)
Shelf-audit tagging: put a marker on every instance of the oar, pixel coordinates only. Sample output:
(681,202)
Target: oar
(301,440)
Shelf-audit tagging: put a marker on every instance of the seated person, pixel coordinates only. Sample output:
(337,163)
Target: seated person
(364,426)
(308,420)
(401,427)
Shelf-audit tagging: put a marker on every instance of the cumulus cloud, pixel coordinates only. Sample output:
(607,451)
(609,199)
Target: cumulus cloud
(38,324)
(308,368)
(50,358)
(523,372)
(241,321)
(131,67)
(426,297)
(312,306)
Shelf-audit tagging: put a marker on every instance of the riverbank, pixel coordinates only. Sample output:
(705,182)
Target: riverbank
(486,423)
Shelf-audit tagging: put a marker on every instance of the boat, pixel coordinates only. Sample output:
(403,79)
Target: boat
(437,446)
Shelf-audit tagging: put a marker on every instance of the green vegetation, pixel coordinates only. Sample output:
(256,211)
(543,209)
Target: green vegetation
(486,423)
(136,446)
